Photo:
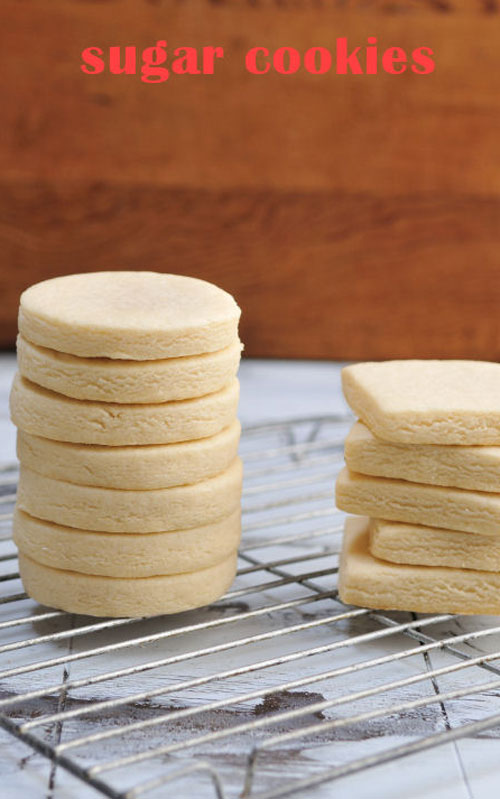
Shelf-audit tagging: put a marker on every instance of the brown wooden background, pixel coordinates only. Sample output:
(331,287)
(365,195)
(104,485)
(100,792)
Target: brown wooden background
(352,217)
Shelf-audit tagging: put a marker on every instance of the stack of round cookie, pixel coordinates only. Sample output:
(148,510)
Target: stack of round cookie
(125,402)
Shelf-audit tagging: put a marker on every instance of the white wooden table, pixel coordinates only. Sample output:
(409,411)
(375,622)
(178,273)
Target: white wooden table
(466,769)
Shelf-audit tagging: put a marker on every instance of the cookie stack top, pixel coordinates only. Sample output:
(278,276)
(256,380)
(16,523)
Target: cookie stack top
(427,402)
(153,355)
(129,315)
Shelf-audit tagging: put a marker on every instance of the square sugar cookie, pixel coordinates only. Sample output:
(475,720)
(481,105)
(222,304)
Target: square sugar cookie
(432,506)
(427,402)
(472,467)
(432,546)
(369,582)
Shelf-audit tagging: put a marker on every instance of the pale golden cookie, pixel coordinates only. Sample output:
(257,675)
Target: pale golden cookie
(373,583)
(427,402)
(145,467)
(49,415)
(130,315)
(115,596)
(474,467)
(433,506)
(108,380)
(120,511)
(431,546)
(126,555)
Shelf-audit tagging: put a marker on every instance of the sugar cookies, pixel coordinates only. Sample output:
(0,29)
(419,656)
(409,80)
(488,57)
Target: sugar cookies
(124,511)
(424,464)
(370,582)
(427,402)
(144,467)
(116,596)
(429,546)
(49,415)
(434,506)
(128,554)
(473,467)
(129,496)
(130,315)
(107,380)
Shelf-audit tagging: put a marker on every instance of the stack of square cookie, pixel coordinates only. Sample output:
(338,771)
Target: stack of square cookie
(423,473)
(129,497)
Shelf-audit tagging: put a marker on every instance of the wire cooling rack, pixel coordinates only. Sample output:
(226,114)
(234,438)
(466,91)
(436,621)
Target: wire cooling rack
(278,688)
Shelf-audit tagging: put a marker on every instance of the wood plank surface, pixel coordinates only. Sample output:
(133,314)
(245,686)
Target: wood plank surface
(352,216)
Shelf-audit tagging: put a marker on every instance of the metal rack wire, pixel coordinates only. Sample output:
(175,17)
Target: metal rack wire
(263,694)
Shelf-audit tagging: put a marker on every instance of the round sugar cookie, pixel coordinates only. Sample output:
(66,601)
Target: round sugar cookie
(108,380)
(113,510)
(44,413)
(127,555)
(130,315)
(140,468)
(117,596)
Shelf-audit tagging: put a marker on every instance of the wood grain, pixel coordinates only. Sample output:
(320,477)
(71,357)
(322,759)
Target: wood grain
(352,216)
